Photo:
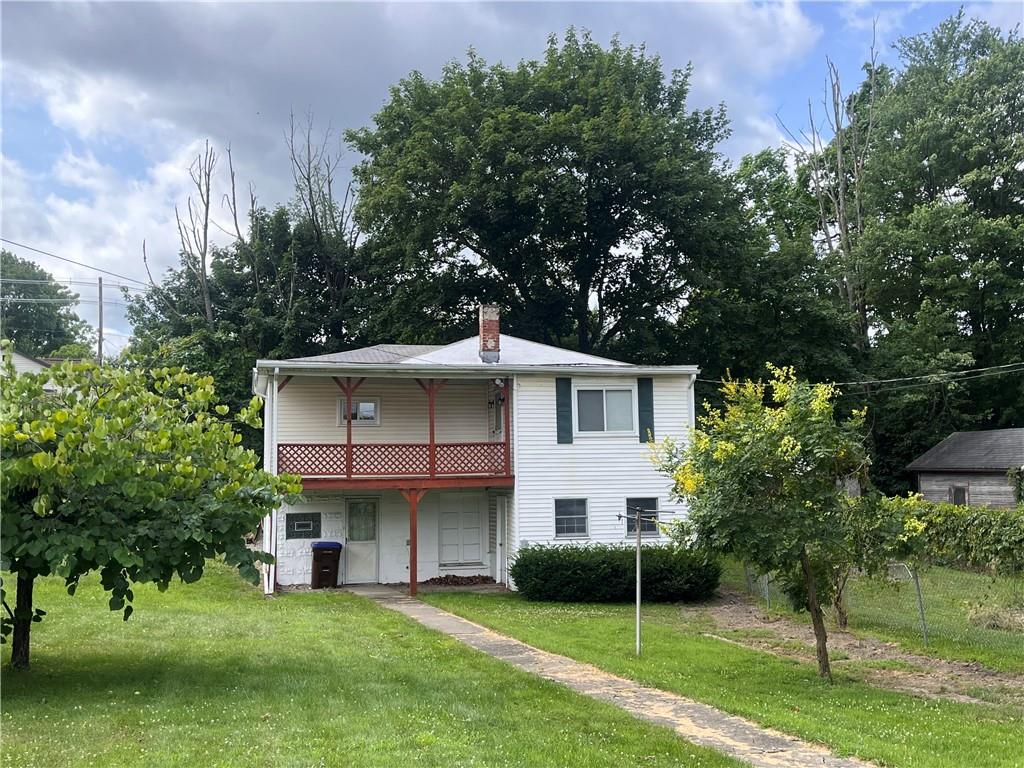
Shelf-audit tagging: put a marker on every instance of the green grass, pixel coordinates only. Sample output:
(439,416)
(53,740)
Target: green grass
(213,674)
(851,718)
(890,612)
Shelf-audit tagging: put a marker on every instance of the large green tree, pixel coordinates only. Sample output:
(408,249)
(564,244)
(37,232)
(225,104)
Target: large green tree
(36,312)
(578,191)
(136,474)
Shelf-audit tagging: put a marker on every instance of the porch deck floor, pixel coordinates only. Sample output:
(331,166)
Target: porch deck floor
(696,722)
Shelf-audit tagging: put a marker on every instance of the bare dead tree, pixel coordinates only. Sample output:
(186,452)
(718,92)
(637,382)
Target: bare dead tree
(243,243)
(314,170)
(837,182)
(195,232)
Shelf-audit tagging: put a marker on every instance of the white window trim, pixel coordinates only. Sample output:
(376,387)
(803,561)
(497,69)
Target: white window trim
(631,388)
(630,515)
(376,409)
(586,518)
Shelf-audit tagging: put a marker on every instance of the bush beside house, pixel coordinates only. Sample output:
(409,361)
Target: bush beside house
(604,573)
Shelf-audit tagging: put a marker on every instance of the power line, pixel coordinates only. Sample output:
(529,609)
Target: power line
(71,261)
(934,378)
(19,300)
(69,281)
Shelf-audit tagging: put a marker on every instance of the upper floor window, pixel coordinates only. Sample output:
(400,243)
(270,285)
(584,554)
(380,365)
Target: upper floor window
(604,410)
(364,411)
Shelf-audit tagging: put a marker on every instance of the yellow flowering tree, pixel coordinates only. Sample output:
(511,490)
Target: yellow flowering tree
(767,478)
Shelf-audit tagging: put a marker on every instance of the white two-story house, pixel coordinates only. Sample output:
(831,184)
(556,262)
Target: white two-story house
(425,461)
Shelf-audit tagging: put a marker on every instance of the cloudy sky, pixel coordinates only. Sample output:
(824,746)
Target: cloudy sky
(105,105)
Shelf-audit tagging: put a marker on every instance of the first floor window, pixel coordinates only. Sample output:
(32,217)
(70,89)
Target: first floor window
(570,517)
(604,410)
(364,411)
(302,525)
(958,495)
(648,517)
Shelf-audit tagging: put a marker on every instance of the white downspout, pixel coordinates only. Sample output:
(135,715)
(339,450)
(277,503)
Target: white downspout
(270,464)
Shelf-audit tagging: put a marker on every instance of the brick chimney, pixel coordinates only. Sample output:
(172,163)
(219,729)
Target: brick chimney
(490,333)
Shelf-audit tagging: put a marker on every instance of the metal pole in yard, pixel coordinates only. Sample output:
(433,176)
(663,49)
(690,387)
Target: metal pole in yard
(638,581)
(638,512)
(920,605)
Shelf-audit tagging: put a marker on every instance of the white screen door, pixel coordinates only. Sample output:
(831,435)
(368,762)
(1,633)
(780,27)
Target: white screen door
(361,541)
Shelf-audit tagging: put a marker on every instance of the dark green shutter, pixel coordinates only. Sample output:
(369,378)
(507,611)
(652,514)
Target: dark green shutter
(645,408)
(563,409)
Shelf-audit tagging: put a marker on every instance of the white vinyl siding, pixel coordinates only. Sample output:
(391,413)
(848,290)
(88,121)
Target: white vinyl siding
(605,470)
(308,412)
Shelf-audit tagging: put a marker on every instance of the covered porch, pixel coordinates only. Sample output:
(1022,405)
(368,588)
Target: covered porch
(396,536)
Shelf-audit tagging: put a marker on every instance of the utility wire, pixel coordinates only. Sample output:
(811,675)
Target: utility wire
(69,281)
(935,378)
(71,261)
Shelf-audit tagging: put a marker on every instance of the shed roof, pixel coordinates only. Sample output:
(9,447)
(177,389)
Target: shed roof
(992,450)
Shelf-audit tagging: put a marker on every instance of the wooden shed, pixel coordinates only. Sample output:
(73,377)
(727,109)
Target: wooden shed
(971,468)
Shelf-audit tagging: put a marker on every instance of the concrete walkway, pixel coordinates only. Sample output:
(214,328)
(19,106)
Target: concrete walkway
(698,723)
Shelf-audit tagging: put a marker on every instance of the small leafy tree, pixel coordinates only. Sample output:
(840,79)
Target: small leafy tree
(136,474)
(766,478)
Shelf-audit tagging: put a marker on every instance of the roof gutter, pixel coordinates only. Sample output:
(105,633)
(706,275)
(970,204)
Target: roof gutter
(412,369)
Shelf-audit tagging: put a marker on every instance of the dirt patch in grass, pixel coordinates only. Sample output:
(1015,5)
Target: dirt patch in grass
(738,620)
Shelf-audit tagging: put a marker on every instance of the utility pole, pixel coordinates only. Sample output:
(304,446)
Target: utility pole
(99,345)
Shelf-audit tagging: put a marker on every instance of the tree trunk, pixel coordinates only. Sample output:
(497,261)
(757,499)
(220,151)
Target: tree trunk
(842,611)
(22,622)
(817,618)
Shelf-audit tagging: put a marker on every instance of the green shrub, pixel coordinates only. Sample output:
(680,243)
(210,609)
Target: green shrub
(977,537)
(602,573)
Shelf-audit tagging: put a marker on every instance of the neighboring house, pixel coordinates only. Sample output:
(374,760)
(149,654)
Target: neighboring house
(437,460)
(26,364)
(971,468)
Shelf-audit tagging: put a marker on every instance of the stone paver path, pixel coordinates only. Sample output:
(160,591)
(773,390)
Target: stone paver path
(696,722)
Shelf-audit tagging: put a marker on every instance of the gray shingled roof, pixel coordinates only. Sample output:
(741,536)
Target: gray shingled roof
(381,353)
(991,450)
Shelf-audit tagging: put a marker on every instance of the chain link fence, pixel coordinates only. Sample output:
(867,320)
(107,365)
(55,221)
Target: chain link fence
(954,612)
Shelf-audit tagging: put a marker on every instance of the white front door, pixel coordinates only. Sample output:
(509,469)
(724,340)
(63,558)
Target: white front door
(462,529)
(361,541)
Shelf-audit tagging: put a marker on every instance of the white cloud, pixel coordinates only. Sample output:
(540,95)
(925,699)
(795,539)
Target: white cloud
(1005,14)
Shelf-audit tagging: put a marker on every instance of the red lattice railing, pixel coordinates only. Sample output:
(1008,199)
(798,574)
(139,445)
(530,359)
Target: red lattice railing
(392,459)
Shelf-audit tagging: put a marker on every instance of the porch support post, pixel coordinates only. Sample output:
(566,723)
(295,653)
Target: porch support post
(506,405)
(413,496)
(348,389)
(431,387)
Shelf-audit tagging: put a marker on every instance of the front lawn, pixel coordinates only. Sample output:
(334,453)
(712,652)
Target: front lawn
(849,717)
(214,674)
